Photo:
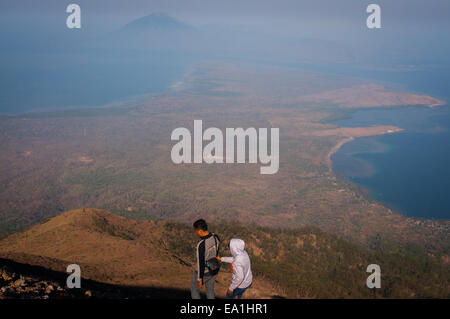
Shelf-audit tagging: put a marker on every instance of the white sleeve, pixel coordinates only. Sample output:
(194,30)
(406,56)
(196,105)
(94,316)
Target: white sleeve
(238,277)
(228,260)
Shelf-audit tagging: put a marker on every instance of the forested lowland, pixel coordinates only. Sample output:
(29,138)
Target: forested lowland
(117,158)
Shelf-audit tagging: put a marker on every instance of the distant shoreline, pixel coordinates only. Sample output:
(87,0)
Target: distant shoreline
(336,148)
(351,133)
(393,169)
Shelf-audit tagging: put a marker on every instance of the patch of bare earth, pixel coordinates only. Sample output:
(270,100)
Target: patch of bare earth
(370,95)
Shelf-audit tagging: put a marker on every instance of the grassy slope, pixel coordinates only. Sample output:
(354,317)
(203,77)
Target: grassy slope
(110,249)
(303,262)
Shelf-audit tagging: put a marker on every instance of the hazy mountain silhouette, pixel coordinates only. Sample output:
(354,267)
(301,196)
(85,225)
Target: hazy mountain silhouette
(154,32)
(161,32)
(157,21)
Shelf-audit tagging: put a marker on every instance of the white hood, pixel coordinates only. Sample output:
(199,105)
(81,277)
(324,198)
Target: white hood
(237,247)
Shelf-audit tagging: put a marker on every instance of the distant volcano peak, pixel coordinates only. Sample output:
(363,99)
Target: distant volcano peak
(161,21)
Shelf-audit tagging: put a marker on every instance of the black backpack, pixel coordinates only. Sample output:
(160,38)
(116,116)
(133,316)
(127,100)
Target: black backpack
(214,264)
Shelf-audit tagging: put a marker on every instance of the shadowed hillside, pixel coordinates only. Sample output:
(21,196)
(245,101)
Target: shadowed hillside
(114,250)
(26,281)
(295,263)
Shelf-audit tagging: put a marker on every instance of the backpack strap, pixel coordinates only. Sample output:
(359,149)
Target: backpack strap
(217,246)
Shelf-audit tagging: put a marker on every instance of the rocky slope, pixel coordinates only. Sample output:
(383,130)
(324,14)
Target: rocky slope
(17,283)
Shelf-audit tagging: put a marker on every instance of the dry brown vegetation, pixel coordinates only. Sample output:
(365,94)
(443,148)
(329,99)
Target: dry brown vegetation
(294,263)
(131,172)
(115,250)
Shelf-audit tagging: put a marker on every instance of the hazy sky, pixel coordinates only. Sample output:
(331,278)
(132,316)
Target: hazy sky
(411,26)
(302,16)
(34,37)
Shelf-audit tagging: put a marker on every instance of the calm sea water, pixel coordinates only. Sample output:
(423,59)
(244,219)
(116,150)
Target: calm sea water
(49,80)
(407,171)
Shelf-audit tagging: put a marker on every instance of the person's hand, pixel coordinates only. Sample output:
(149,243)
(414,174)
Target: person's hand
(199,284)
(230,292)
(218,258)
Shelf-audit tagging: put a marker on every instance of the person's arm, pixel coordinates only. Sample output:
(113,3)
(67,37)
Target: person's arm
(200,261)
(238,277)
(228,260)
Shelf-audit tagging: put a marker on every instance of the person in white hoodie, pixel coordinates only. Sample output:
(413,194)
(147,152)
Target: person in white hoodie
(240,265)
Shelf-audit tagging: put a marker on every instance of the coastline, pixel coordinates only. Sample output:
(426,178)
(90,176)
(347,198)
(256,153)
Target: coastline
(351,133)
(429,129)
(336,148)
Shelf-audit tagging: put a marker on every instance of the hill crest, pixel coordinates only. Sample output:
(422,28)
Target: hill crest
(296,263)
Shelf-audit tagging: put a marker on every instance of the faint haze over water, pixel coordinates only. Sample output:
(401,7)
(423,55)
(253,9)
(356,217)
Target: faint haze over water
(45,65)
